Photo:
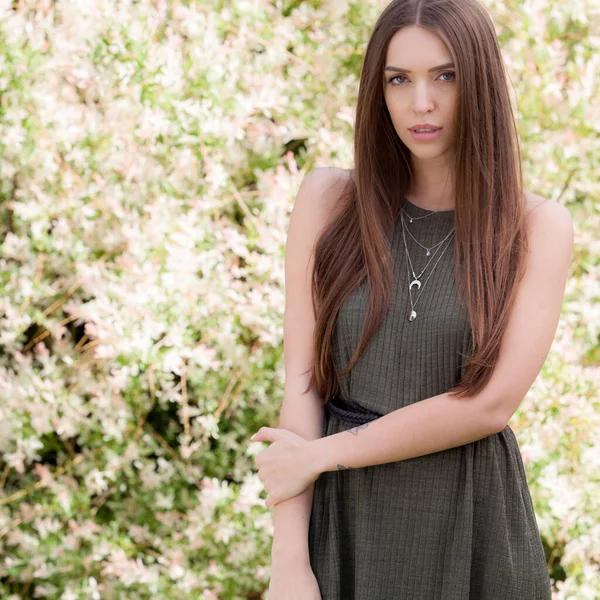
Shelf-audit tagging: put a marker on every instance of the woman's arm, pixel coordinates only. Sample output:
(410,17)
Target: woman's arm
(443,422)
(302,413)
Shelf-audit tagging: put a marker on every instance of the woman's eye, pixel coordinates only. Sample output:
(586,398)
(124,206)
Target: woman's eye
(448,73)
(397,77)
(452,75)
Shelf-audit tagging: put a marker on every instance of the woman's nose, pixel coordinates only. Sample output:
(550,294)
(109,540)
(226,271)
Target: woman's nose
(423,99)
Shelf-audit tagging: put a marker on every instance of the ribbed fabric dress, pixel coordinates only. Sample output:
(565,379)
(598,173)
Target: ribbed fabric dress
(452,525)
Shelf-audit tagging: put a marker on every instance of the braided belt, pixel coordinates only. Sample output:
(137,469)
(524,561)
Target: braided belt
(350,412)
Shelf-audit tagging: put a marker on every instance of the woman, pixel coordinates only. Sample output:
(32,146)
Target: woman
(437,282)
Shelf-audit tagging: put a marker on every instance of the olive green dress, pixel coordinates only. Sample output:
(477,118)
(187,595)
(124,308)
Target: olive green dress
(452,525)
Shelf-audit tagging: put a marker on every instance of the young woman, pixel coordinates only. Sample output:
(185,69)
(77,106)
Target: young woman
(423,316)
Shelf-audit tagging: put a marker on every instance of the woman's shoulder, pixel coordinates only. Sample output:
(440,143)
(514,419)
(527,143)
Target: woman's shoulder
(328,177)
(537,207)
(330,172)
(548,218)
(322,188)
(532,201)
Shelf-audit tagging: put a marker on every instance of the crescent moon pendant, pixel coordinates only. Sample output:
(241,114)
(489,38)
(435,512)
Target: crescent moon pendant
(415,282)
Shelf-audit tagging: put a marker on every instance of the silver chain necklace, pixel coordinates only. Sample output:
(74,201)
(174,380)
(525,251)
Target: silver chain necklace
(422,246)
(409,267)
(411,219)
(417,277)
(434,212)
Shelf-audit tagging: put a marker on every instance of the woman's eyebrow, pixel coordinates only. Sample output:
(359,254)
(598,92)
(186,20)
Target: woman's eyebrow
(399,70)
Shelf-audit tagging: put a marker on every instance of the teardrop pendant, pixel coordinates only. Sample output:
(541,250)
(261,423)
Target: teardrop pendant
(410,220)
(428,253)
(413,316)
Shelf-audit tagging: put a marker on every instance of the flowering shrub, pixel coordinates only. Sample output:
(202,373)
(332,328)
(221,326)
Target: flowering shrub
(150,152)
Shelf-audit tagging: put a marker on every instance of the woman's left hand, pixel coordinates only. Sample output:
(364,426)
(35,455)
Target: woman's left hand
(287,467)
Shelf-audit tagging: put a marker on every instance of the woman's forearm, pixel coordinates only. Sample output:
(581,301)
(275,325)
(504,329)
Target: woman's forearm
(303,414)
(431,425)
(291,518)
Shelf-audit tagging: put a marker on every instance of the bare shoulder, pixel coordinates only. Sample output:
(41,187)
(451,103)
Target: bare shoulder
(549,223)
(320,191)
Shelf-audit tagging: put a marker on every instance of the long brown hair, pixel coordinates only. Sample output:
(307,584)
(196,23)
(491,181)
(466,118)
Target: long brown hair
(490,240)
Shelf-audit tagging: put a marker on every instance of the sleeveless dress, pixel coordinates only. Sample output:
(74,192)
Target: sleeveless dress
(452,525)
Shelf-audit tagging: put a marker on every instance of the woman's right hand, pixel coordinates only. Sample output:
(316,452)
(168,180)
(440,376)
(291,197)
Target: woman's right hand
(293,582)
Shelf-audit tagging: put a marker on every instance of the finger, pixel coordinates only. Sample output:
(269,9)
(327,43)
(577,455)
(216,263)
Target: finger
(266,434)
(260,435)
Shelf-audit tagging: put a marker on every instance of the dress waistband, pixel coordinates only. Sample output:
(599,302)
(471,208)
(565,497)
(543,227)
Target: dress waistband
(350,411)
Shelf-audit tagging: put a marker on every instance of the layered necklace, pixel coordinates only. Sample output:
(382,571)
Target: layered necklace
(416,280)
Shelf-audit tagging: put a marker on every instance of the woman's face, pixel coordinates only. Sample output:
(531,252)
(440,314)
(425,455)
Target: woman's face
(414,95)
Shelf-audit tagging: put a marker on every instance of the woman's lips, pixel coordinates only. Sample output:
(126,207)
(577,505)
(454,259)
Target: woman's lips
(426,136)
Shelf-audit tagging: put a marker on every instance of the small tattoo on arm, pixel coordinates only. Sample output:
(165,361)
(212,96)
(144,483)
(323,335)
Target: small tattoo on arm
(354,430)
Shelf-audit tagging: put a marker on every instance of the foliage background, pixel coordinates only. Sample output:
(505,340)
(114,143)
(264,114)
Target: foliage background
(150,152)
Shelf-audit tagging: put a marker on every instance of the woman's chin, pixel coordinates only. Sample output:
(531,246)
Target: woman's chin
(428,153)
